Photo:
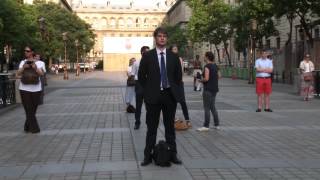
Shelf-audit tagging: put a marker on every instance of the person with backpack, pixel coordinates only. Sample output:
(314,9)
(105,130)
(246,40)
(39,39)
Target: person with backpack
(30,89)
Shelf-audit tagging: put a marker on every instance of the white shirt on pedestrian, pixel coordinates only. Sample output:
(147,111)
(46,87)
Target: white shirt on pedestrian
(264,64)
(42,66)
(30,87)
(135,69)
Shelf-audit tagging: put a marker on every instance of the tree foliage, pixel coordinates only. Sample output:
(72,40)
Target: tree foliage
(177,36)
(19,26)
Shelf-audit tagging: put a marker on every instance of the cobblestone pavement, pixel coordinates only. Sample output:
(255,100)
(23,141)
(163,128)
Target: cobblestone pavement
(86,134)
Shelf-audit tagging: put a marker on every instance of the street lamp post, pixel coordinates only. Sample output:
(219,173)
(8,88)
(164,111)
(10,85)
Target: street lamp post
(65,72)
(42,27)
(78,67)
(84,57)
(252,50)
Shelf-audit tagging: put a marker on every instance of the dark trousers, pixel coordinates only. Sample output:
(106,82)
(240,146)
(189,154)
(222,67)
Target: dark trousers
(30,101)
(184,105)
(209,101)
(42,79)
(139,102)
(167,105)
(185,110)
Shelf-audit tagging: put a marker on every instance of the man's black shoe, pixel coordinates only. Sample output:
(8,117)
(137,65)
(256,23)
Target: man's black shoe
(175,160)
(268,110)
(136,126)
(146,162)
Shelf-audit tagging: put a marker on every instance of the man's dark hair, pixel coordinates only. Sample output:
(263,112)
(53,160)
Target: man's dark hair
(172,46)
(197,57)
(143,49)
(210,56)
(159,30)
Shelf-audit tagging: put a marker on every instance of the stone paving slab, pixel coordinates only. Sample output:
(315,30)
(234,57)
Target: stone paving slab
(86,134)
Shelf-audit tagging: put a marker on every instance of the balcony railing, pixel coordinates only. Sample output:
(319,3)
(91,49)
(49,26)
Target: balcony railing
(7,90)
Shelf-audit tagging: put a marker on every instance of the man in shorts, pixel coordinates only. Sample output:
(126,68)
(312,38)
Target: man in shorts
(264,68)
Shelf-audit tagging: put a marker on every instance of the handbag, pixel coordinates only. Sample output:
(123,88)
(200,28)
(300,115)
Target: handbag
(307,77)
(131,81)
(180,125)
(30,76)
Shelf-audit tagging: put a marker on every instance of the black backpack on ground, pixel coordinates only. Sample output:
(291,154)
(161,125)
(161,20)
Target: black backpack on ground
(131,109)
(162,154)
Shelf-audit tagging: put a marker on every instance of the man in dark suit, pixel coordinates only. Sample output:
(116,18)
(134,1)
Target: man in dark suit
(160,75)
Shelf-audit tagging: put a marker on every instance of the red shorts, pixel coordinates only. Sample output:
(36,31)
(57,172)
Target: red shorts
(263,86)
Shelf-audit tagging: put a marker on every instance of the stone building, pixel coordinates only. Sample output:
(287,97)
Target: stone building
(121,28)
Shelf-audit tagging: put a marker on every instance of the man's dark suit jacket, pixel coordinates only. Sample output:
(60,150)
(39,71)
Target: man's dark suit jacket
(149,76)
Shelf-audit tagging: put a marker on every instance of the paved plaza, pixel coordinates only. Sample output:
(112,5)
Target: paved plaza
(86,134)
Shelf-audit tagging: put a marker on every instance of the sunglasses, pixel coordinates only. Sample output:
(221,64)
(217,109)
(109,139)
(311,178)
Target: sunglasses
(27,50)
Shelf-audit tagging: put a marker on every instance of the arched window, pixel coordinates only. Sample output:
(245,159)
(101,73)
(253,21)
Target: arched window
(95,22)
(121,23)
(155,22)
(113,22)
(138,22)
(104,22)
(87,19)
(146,22)
(129,22)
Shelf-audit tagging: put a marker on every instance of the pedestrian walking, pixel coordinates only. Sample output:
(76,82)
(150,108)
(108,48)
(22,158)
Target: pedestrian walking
(130,93)
(160,75)
(37,58)
(264,68)
(196,72)
(30,89)
(174,49)
(210,90)
(307,80)
(138,88)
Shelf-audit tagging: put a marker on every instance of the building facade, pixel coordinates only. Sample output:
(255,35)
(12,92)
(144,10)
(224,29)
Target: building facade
(121,29)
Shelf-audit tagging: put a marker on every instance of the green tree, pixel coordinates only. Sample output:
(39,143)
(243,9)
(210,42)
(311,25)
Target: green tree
(219,29)
(178,37)
(261,11)
(199,21)
(13,31)
(58,21)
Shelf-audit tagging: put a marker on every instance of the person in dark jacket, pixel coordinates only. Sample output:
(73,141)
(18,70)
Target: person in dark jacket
(160,75)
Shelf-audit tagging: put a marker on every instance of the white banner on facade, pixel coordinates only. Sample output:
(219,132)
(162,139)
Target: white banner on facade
(125,45)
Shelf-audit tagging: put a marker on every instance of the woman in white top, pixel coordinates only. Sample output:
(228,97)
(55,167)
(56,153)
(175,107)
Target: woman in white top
(130,92)
(306,68)
(30,93)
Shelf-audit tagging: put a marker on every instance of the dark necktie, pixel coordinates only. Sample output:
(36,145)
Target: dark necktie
(163,72)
